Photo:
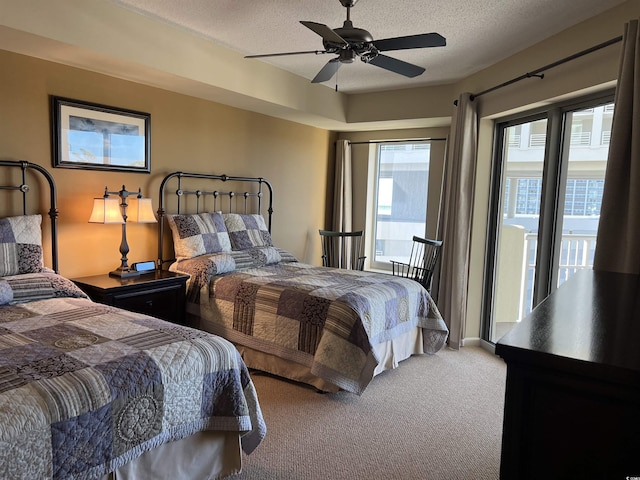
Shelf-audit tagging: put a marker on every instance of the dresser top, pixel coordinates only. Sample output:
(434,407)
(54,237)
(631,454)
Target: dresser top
(594,317)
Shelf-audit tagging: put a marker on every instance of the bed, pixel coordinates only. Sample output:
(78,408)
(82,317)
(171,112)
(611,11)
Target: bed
(329,328)
(90,391)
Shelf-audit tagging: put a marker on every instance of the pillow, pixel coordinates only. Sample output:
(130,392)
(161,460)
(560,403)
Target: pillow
(6,292)
(198,234)
(39,286)
(247,231)
(21,245)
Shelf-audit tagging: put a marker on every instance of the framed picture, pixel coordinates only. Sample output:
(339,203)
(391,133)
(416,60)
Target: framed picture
(86,135)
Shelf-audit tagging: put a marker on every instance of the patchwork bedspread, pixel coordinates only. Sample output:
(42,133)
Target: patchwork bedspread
(325,318)
(84,387)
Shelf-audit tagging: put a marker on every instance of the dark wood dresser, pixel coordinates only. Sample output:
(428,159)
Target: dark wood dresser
(572,402)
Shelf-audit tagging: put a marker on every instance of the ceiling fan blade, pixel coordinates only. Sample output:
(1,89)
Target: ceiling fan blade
(325,32)
(328,71)
(317,52)
(397,66)
(411,41)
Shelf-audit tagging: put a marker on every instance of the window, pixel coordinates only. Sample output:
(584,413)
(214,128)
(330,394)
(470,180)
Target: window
(401,192)
(403,197)
(583,197)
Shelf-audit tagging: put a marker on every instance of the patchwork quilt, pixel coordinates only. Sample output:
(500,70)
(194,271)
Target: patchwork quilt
(325,318)
(202,269)
(85,388)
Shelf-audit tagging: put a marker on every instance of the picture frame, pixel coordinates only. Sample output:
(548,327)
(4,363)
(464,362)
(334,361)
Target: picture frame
(99,137)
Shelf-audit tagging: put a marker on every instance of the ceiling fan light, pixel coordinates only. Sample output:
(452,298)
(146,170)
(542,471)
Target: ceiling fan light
(347,56)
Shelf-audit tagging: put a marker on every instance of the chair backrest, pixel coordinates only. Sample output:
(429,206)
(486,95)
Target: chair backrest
(422,261)
(342,249)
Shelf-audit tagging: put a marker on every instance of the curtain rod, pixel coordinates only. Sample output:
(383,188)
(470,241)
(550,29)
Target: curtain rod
(399,141)
(538,72)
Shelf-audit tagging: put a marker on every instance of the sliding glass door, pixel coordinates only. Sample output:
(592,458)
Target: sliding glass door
(546,194)
(521,195)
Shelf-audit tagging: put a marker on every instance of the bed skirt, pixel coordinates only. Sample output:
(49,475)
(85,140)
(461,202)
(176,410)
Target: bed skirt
(208,455)
(389,353)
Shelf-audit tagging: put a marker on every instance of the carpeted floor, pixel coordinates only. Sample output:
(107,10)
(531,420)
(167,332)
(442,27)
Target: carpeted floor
(435,417)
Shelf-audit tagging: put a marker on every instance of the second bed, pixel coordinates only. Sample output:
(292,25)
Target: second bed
(330,328)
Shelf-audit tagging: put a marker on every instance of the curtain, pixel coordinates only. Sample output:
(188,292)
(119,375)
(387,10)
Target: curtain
(619,228)
(455,218)
(342,193)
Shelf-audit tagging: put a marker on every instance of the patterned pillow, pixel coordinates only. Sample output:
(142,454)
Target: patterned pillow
(38,286)
(247,231)
(6,292)
(198,234)
(21,245)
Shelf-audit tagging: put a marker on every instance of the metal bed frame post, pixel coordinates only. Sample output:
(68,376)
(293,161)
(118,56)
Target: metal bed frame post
(24,189)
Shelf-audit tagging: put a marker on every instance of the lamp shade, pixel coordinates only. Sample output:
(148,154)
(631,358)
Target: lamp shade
(106,210)
(140,210)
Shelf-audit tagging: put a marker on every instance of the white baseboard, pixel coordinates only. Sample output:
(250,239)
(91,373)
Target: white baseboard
(478,342)
(470,342)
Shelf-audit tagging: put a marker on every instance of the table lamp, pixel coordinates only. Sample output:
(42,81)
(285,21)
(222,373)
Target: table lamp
(108,210)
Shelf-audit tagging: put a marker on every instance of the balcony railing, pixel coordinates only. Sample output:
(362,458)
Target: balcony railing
(578,138)
(537,139)
(576,253)
(581,138)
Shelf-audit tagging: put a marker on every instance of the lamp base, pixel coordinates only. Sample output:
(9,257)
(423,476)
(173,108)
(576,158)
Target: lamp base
(124,273)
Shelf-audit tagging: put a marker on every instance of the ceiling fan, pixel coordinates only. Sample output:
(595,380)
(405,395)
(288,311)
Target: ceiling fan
(348,42)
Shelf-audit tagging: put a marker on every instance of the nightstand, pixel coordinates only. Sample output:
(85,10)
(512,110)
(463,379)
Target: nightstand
(160,293)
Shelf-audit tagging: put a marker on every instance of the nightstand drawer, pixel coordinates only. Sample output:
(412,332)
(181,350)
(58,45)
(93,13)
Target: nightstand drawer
(165,303)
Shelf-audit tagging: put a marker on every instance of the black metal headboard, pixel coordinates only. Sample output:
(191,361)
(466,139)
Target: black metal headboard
(211,193)
(24,189)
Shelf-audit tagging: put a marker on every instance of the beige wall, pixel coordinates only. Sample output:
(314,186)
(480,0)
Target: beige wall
(187,134)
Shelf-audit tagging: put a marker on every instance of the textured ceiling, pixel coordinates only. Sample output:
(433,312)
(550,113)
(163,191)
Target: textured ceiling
(478,33)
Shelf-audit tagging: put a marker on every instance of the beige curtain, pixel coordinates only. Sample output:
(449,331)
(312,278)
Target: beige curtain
(342,194)
(619,227)
(455,218)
